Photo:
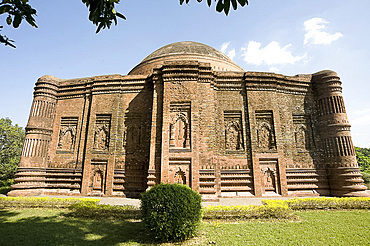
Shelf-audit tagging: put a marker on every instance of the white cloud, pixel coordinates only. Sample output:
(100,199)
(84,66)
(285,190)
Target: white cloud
(231,54)
(316,34)
(272,54)
(224,47)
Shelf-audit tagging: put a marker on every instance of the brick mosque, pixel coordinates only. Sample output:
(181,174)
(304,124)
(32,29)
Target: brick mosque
(188,114)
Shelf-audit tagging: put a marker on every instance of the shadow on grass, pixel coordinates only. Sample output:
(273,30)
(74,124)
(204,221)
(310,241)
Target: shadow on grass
(57,229)
(6,214)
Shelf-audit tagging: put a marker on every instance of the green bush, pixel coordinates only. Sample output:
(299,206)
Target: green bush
(277,210)
(4,190)
(94,211)
(366,177)
(325,203)
(172,212)
(6,183)
(42,202)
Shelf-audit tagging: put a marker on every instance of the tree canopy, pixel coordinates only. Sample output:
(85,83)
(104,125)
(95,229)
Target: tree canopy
(11,143)
(102,13)
(363,158)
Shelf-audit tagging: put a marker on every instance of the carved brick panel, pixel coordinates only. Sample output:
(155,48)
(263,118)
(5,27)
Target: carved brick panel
(269,176)
(265,131)
(67,134)
(98,176)
(302,132)
(180,171)
(102,132)
(132,136)
(233,131)
(180,125)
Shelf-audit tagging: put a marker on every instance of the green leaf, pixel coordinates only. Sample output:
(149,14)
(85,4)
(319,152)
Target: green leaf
(99,27)
(235,4)
(31,21)
(121,16)
(243,2)
(209,3)
(17,20)
(226,6)
(219,6)
(9,20)
(5,9)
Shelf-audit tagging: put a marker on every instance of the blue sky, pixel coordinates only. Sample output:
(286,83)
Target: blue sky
(287,37)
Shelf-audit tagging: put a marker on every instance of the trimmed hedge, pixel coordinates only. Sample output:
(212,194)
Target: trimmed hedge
(279,211)
(94,211)
(171,212)
(42,202)
(175,213)
(324,203)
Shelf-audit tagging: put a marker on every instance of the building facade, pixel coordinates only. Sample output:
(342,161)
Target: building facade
(188,114)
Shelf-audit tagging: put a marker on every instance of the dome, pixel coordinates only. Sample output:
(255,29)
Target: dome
(186,51)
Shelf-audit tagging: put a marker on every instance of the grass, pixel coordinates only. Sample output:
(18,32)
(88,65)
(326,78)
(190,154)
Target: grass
(315,228)
(54,227)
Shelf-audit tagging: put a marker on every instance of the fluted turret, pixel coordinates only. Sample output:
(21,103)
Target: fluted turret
(338,150)
(34,158)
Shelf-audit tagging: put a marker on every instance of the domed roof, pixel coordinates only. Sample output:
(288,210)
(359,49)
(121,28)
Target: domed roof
(186,51)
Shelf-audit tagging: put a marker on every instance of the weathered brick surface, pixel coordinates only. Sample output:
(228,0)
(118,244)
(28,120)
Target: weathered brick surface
(188,114)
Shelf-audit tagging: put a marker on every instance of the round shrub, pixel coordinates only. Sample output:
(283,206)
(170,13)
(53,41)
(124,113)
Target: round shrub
(172,212)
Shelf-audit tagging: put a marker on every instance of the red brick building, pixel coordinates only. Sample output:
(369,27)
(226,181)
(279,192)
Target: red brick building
(188,114)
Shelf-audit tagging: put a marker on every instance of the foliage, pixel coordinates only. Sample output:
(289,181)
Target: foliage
(95,211)
(17,10)
(363,158)
(5,185)
(11,142)
(7,182)
(102,13)
(366,177)
(5,189)
(324,203)
(271,211)
(223,5)
(43,202)
(172,212)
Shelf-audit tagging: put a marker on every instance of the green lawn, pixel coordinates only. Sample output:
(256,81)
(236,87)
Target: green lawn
(314,228)
(52,227)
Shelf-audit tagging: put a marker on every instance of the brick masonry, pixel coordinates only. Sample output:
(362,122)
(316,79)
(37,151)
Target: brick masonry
(188,114)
